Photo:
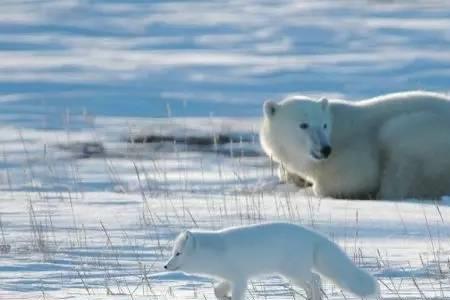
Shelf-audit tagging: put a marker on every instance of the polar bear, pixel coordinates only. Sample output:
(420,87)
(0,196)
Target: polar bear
(390,147)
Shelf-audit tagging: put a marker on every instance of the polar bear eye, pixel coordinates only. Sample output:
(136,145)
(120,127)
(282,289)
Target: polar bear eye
(304,125)
(325,126)
(178,254)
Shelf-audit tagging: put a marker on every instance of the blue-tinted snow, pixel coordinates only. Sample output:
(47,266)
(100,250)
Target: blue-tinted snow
(137,58)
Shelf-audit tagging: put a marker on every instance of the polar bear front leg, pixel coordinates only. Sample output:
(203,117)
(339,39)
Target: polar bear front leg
(398,179)
(222,290)
(287,177)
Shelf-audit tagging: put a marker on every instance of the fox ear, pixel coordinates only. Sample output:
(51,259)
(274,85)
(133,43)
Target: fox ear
(187,235)
(270,108)
(190,240)
(324,103)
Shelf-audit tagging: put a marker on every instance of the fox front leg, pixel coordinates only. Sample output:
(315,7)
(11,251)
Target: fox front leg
(222,290)
(238,289)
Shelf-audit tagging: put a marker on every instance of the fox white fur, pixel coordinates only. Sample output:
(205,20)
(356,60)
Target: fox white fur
(392,146)
(233,255)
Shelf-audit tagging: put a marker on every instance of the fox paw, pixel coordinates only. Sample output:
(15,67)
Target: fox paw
(222,290)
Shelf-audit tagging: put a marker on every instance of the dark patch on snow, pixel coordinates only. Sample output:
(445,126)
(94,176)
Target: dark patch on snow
(210,140)
(231,145)
(5,248)
(85,149)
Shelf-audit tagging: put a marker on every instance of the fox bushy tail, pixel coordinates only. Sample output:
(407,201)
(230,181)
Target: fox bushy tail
(331,262)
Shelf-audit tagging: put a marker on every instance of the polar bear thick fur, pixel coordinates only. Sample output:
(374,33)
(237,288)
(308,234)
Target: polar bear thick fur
(389,147)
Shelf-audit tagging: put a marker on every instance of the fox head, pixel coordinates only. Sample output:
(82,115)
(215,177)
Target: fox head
(301,126)
(182,251)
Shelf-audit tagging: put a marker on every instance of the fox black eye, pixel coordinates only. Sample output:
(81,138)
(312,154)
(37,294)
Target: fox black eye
(304,125)
(325,126)
(178,254)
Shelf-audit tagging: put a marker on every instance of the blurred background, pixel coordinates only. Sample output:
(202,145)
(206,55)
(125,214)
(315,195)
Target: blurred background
(210,58)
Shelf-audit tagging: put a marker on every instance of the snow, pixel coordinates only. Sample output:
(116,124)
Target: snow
(101,227)
(88,214)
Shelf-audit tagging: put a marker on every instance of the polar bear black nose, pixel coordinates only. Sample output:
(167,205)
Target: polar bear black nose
(326,151)
(165,267)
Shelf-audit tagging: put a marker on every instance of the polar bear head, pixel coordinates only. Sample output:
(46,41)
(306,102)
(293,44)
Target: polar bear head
(297,128)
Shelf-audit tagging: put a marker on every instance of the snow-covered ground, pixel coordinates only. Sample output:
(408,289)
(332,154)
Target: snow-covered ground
(88,213)
(88,210)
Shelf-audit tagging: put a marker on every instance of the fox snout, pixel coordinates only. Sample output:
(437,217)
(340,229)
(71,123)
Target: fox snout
(170,266)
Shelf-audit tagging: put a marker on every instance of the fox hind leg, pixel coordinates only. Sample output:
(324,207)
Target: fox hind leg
(316,286)
(310,283)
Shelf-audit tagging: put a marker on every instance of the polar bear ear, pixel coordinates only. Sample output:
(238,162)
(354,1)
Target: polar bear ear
(324,103)
(270,108)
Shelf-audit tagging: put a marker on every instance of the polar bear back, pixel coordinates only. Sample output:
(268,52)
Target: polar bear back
(366,117)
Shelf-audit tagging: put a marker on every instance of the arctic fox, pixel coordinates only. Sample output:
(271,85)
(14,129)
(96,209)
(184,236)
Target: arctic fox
(233,255)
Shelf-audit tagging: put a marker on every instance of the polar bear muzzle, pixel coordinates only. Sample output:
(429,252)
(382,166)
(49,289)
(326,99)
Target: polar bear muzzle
(325,151)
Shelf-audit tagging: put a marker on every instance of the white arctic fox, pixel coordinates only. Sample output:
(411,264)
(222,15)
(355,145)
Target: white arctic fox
(233,255)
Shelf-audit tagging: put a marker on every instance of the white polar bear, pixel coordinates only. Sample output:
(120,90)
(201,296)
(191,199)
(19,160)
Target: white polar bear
(392,146)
